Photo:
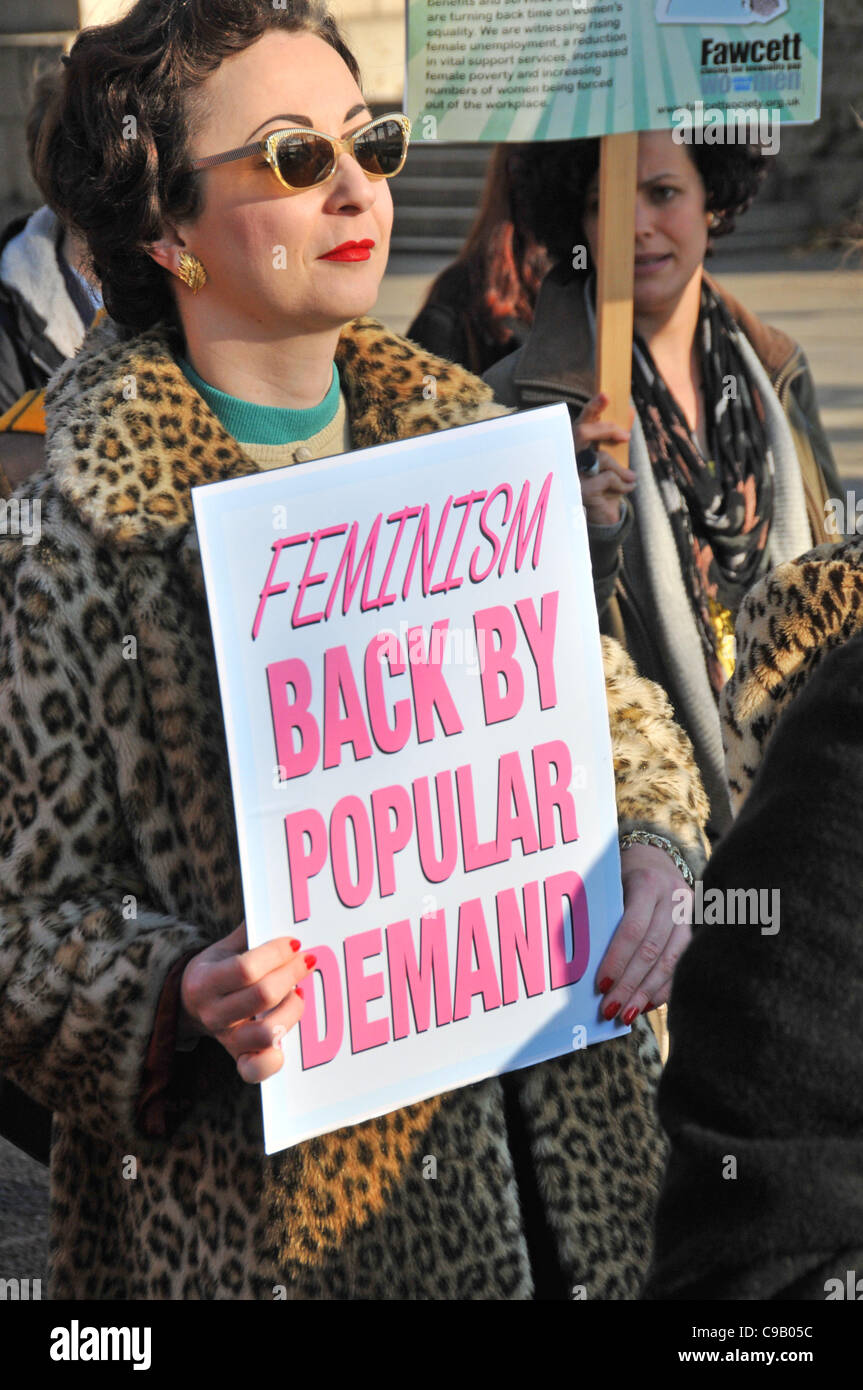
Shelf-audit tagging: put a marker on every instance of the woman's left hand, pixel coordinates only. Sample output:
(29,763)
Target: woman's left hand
(636,970)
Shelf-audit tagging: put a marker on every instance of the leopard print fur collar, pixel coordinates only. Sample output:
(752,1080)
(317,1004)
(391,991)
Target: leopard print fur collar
(127,435)
(787,624)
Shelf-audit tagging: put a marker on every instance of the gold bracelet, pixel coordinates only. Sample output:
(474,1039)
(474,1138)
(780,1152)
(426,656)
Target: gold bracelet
(647,837)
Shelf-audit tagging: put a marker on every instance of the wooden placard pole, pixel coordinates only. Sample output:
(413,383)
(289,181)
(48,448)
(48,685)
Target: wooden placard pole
(618,175)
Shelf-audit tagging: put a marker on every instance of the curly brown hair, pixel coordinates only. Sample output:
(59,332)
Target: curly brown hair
(118,191)
(552,178)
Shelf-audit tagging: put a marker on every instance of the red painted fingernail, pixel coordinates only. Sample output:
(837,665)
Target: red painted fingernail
(310,961)
(605,985)
(610,1010)
(629,1015)
(298,989)
(295,945)
(649,1008)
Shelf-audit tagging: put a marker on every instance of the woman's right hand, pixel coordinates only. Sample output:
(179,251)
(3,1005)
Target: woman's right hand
(601,492)
(246,1000)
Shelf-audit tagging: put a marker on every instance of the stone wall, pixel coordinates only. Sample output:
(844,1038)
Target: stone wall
(818,175)
(21,22)
(375,31)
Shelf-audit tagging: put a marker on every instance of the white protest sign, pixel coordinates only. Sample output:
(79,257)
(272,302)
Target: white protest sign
(513,70)
(411,678)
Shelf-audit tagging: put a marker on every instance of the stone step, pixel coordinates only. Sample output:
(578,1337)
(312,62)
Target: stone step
(424,190)
(440,248)
(468,160)
(436,198)
(435,205)
(448,220)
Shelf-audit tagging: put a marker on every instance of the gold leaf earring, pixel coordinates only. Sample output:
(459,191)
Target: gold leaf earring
(191,271)
(713,221)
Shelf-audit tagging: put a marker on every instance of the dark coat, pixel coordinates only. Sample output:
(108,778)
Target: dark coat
(766,1066)
(448,326)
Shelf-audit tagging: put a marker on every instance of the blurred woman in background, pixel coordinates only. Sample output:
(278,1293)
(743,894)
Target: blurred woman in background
(729,465)
(48,300)
(481,307)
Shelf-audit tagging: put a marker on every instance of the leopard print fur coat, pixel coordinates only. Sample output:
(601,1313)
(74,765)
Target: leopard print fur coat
(119,857)
(786,625)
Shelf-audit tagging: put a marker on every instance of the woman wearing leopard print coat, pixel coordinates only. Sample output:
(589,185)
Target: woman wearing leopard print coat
(129,1002)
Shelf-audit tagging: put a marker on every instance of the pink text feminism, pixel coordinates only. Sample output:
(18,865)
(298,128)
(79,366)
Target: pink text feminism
(495,524)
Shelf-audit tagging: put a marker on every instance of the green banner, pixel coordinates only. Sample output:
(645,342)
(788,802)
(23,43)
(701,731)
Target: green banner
(492,70)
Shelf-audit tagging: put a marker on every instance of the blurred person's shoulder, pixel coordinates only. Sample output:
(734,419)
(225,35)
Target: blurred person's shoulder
(502,378)
(452,286)
(556,359)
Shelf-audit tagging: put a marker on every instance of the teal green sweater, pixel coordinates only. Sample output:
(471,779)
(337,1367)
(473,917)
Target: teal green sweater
(264,424)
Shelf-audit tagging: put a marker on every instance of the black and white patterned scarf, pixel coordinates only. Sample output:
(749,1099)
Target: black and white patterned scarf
(720,507)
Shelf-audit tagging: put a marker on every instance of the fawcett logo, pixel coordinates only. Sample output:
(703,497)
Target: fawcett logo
(784,50)
(76,1343)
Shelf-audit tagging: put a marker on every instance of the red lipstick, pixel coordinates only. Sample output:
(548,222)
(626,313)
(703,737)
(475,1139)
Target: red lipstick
(350,251)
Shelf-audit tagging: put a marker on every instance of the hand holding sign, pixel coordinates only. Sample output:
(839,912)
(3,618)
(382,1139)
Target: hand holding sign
(601,492)
(246,1000)
(636,969)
